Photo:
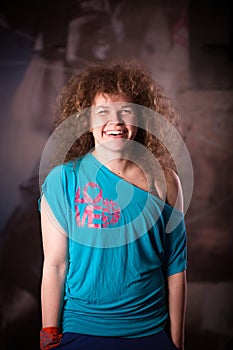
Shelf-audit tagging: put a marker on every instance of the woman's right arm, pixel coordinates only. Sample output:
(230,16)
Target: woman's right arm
(54,267)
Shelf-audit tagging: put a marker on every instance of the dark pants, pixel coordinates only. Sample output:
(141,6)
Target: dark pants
(75,341)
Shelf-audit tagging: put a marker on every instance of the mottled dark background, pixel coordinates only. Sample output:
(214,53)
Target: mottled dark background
(188,47)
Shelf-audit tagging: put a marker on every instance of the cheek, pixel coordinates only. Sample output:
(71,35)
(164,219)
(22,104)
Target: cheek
(96,132)
(134,130)
(97,123)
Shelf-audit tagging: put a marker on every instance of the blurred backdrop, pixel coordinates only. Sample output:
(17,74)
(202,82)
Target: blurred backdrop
(188,47)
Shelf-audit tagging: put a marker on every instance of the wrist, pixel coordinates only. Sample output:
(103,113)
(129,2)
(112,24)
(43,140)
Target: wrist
(51,329)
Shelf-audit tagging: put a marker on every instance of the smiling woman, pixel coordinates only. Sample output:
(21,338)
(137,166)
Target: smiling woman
(112,275)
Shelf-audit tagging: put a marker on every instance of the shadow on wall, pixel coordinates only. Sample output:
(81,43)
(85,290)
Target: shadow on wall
(20,269)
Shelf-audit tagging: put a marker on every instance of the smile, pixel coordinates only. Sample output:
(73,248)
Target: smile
(114,132)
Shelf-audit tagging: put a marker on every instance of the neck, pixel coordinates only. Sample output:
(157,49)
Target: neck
(117,162)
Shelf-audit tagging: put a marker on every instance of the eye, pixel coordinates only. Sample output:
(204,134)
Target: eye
(103,112)
(126,111)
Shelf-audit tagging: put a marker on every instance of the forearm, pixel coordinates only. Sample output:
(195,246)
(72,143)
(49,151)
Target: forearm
(52,291)
(177,296)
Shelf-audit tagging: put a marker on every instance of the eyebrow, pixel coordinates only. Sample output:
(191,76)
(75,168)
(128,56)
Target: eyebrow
(108,106)
(127,106)
(101,106)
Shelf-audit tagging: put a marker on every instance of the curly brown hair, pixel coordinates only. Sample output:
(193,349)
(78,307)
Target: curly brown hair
(117,78)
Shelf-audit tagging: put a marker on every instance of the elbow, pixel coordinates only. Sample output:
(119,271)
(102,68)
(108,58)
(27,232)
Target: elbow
(51,266)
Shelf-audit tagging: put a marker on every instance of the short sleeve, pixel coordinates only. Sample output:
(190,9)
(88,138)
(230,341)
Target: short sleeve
(176,249)
(53,190)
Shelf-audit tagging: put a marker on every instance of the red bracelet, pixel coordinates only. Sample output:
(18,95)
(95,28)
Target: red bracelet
(50,337)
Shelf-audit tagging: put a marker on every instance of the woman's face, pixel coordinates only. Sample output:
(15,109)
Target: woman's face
(113,121)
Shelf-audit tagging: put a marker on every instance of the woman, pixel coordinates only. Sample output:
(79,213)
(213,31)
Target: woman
(112,276)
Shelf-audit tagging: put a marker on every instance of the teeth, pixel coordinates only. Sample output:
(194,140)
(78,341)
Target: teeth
(113,132)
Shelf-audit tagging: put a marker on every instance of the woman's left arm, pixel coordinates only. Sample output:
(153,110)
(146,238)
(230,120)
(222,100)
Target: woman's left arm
(177,283)
(177,296)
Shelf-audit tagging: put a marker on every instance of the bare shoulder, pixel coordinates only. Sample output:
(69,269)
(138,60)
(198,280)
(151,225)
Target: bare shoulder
(174,189)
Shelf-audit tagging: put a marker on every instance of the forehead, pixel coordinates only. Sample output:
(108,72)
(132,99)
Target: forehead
(101,99)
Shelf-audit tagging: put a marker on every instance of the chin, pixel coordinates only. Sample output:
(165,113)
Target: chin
(117,145)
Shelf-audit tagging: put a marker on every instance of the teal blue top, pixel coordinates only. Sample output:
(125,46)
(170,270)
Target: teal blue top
(123,243)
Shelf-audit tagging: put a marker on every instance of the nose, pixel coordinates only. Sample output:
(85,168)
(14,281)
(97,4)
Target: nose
(115,118)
